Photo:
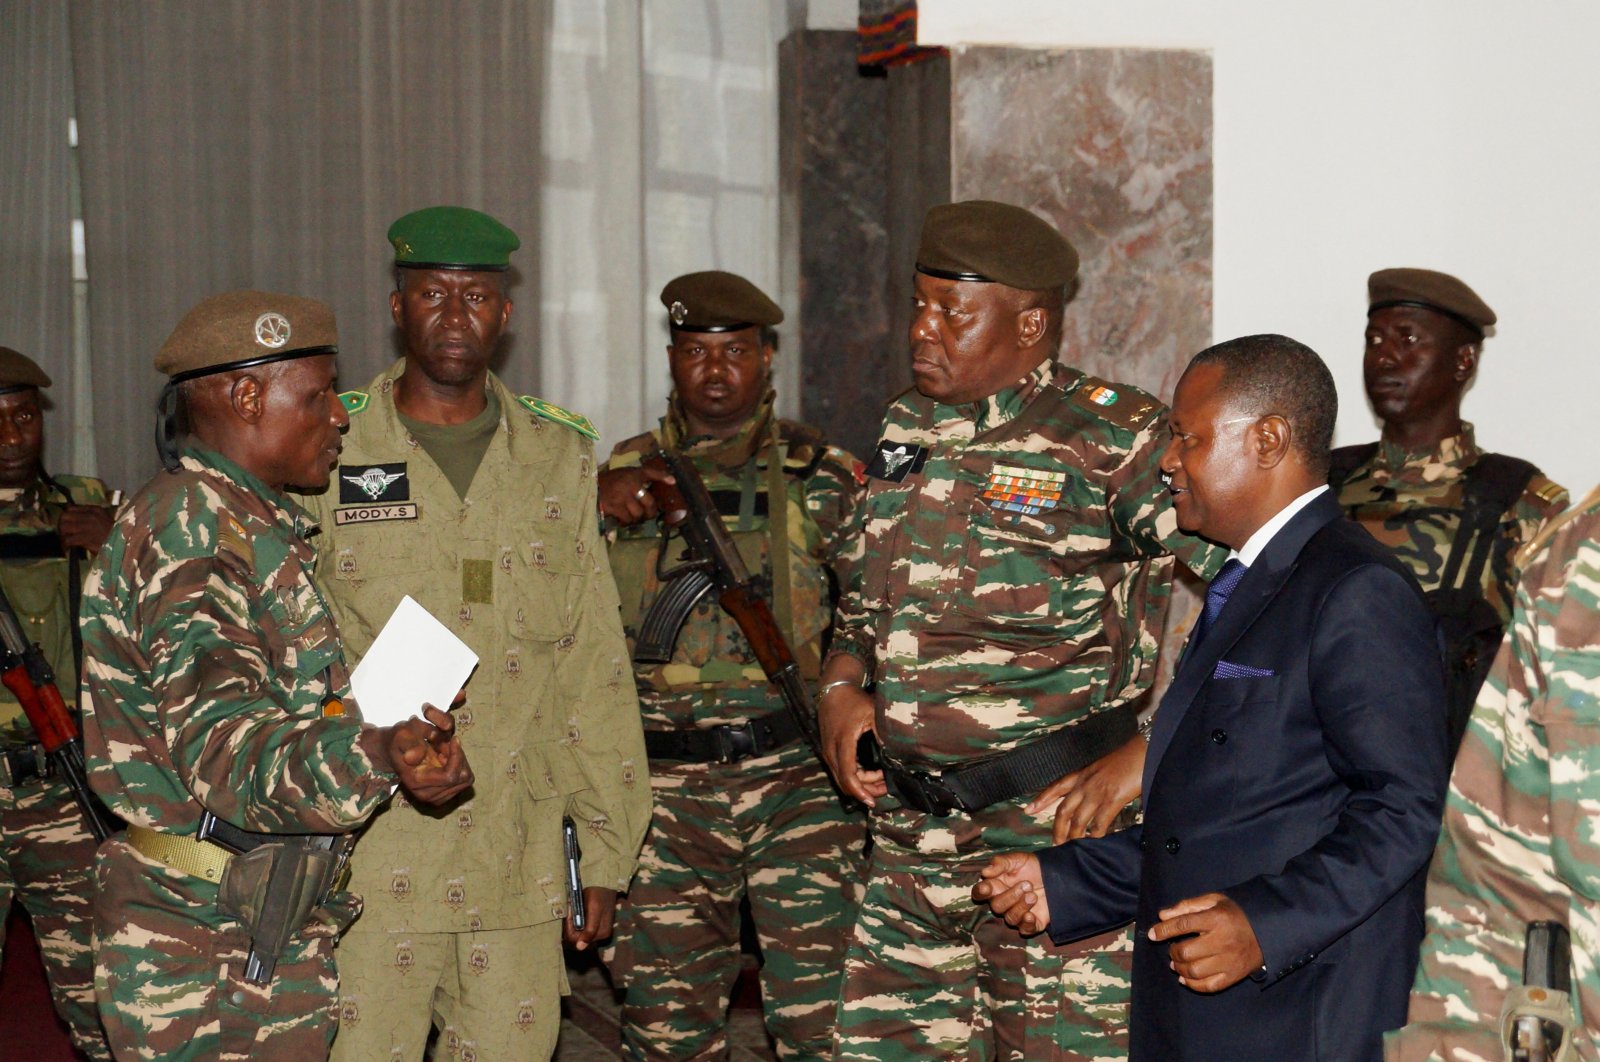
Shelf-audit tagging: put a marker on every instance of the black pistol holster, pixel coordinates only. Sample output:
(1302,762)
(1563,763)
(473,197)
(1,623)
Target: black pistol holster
(273,884)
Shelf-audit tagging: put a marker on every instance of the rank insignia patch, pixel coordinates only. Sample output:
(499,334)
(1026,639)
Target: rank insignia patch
(1101,396)
(1029,491)
(895,461)
(370,483)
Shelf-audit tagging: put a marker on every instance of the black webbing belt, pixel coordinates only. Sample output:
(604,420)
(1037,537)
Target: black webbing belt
(724,744)
(1026,769)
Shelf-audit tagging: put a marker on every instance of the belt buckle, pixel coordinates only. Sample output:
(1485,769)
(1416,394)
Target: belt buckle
(735,743)
(924,792)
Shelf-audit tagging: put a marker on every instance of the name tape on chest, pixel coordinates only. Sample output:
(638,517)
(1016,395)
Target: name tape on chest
(894,461)
(373,514)
(1030,491)
(370,483)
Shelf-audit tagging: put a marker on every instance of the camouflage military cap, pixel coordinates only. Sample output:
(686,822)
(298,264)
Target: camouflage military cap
(1431,290)
(997,242)
(451,237)
(714,301)
(243,329)
(17,371)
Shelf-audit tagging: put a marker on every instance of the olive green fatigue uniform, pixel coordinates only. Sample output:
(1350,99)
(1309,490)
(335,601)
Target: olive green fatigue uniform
(46,850)
(208,654)
(1412,503)
(1521,836)
(518,571)
(1016,563)
(770,828)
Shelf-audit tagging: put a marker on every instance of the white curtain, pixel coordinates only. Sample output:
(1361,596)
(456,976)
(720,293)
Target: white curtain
(36,210)
(660,157)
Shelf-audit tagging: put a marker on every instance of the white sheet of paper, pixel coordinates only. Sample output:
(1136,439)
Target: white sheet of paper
(415,660)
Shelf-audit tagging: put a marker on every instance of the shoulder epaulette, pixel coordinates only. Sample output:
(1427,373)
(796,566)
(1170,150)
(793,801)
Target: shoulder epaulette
(80,490)
(354,401)
(576,421)
(1122,405)
(233,538)
(1545,489)
(805,446)
(1555,523)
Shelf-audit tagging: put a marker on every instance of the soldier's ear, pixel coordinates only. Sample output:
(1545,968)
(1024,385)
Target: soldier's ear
(1466,361)
(247,398)
(1031,324)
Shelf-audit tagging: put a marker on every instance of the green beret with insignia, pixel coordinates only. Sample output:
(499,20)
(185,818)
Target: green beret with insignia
(451,237)
(243,329)
(982,240)
(17,371)
(1431,290)
(714,301)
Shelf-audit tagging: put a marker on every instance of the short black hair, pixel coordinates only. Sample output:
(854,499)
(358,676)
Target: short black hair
(1274,375)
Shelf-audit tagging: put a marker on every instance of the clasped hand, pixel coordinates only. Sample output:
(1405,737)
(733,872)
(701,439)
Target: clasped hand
(427,755)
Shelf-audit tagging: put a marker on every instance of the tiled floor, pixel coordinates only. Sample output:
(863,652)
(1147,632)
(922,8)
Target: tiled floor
(589,1020)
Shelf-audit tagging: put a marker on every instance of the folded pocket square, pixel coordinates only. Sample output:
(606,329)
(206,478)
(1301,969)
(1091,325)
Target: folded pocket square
(1227,670)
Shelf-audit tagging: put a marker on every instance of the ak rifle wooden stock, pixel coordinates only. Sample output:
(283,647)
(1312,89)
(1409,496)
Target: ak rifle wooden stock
(31,680)
(713,563)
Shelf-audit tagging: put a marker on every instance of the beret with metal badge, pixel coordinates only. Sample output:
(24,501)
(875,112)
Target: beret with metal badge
(1430,290)
(243,329)
(981,240)
(17,371)
(452,237)
(714,301)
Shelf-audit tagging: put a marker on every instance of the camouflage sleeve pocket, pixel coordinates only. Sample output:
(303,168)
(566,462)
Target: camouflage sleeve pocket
(309,642)
(884,512)
(1572,733)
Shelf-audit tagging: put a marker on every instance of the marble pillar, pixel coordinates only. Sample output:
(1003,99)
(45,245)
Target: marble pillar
(1114,147)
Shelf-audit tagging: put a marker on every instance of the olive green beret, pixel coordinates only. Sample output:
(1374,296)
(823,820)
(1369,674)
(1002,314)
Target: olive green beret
(1439,292)
(17,371)
(714,301)
(243,329)
(449,237)
(983,240)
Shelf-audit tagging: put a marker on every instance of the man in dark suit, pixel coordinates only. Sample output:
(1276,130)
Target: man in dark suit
(1297,764)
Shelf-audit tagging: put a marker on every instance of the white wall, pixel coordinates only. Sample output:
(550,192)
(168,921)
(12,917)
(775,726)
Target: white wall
(1461,135)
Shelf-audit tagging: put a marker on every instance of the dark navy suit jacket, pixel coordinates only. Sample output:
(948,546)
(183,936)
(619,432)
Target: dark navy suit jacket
(1310,793)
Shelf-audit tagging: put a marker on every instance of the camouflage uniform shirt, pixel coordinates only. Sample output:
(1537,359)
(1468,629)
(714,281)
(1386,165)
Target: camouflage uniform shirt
(1521,837)
(1016,581)
(37,586)
(551,722)
(1412,503)
(713,677)
(208,652)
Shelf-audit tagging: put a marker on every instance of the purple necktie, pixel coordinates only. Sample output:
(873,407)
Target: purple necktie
(1217,595)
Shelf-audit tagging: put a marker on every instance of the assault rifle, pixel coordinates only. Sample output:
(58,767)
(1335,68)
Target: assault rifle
(712,561)
(31,680)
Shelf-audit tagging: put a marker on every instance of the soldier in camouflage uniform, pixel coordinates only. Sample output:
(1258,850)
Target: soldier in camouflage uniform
(1454,514)
(743,807)
(481,505)
(1521,838)
(1017,553)
(48,526)
(212,682)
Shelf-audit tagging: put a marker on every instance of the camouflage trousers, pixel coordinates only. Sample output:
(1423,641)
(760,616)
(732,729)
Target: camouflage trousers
(47,864)
(772,830)
(930,974)
(493,994)
(169,970)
